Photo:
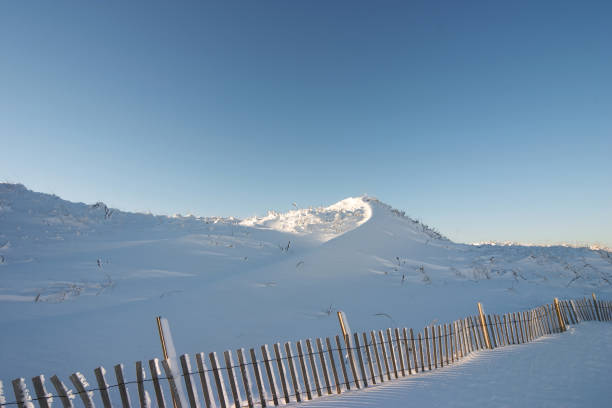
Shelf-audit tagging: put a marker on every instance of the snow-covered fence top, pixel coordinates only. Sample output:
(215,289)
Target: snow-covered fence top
(309,369)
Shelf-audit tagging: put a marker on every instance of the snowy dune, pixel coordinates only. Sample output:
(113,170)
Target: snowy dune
(82,284)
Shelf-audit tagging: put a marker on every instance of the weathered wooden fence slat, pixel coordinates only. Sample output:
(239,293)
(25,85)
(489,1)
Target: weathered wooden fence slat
(392,353)
(453,341)
(81,384)
(44,398)
(22,394)
(265,353)
(383,348)
(381,374)
(261,389)
(332,363)
(364,376)
(192,391)
(218,376)
(342,365)
(351,355)
(231,375)
(282,373)
(304,368)
(366,345)
(434,345)
(206,385)
(440,355)
(62,392)
(414,352)
(493,333)
(315,370)
(420,353)
(123,390)
(143,395)
(446,342)
(427,337)
(400,354)
(295,380)
(320,350)
(246,376)
(172,383)
(100,373)
(407,350)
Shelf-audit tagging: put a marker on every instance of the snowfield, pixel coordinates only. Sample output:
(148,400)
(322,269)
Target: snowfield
(82,284)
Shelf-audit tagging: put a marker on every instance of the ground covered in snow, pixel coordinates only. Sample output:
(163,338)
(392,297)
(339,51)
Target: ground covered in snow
(562,370)
(81,284)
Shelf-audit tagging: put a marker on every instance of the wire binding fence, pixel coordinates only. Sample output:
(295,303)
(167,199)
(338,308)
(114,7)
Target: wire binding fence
(309,370)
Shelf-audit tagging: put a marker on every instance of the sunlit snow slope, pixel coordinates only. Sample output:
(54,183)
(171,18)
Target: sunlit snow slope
(81,284)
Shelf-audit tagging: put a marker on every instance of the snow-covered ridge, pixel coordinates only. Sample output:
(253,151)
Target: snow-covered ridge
(416,224)
(593,247)
(50,217)
(323,223)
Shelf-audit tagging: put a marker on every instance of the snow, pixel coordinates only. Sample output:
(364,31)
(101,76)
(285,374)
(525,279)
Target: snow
(82,284)
(321,224)
(562,370)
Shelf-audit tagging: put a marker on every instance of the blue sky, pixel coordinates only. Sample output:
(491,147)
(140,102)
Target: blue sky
(488,120)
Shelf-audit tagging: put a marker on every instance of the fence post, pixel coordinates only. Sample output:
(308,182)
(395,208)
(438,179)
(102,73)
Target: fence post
(483,323)
(596,307)
(561,322)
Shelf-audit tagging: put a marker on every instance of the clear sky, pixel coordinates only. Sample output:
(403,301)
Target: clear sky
(488,120)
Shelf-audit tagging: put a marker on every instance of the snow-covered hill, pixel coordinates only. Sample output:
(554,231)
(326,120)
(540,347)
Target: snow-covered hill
(81,284)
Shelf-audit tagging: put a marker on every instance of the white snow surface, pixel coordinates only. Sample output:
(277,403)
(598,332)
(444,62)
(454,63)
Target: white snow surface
(321,224)
(82,284)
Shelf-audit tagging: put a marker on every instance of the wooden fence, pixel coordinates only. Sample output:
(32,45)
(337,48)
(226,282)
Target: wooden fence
(288,374)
